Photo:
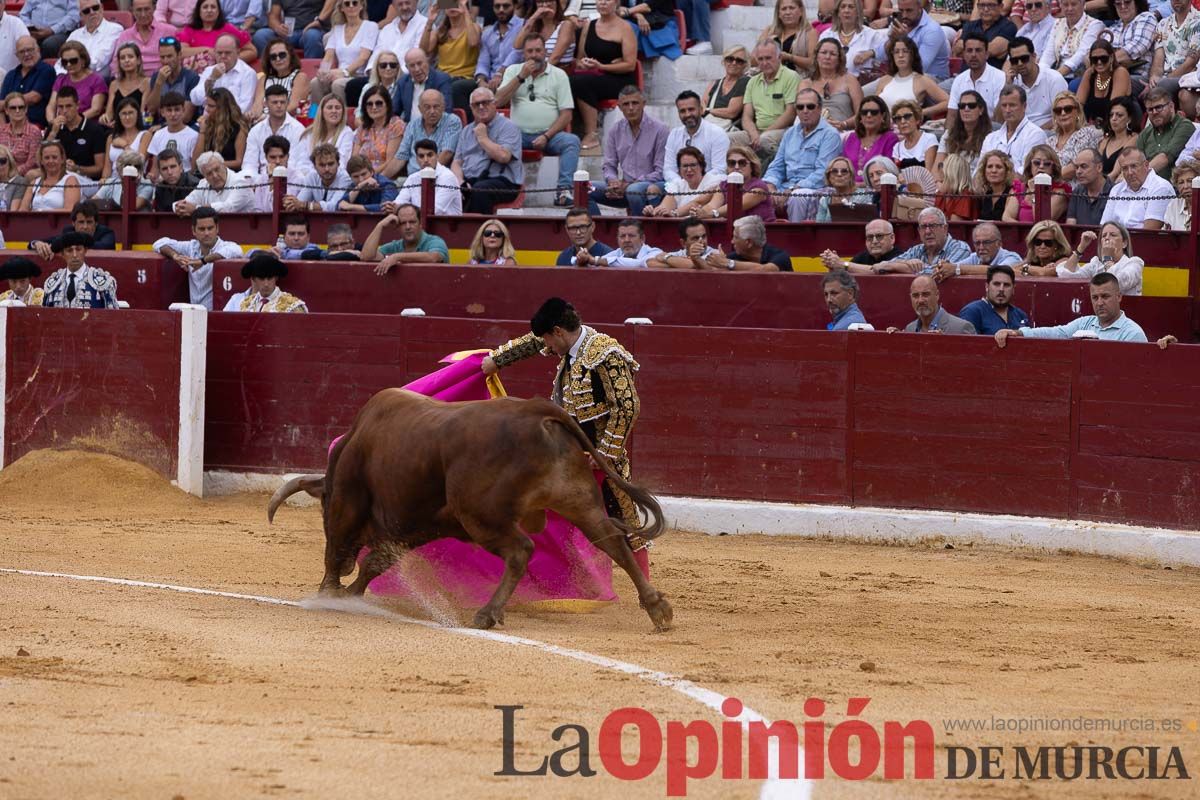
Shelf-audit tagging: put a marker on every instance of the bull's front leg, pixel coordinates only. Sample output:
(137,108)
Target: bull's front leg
(515,549)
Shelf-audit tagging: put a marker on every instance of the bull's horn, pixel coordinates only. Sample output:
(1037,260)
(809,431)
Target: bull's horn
(314,485)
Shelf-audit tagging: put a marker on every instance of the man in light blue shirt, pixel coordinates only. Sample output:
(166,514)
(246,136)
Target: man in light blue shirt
(841,298)
(927,35)
(497,48)
(988,253)
(50,22)
(937,254)
(1108,323)
(805,150)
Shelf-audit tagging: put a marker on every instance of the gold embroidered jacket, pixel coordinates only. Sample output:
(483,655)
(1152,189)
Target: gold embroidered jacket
(32,297)
(613,410)
(279,302)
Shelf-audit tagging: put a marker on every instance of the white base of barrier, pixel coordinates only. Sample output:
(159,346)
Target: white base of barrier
(869,525)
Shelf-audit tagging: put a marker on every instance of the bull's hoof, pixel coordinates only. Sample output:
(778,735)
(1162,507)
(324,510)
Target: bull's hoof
(660,614)
(332,590)
(485,619)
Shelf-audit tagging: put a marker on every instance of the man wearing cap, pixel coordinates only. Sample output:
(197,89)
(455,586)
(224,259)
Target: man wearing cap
(77,285)
(19,272)
(196,255)
(264,272)
(594,384)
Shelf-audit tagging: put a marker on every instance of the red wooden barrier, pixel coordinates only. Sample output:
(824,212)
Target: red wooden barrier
(1138,455)
(1092,430)
(667,297)
(747,414)
(955,423)
(95,380)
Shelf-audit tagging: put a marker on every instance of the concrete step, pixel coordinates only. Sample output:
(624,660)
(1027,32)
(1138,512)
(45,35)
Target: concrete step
(665,79)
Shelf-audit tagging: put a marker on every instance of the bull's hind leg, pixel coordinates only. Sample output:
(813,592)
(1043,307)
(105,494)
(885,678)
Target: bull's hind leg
(601,532)
(381,558)
(515,548)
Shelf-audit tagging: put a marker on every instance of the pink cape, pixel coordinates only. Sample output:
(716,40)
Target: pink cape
(566,571)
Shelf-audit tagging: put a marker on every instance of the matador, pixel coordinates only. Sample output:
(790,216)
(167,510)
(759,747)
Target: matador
(593,383)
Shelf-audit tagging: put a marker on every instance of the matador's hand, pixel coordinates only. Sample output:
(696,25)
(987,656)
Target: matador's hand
(489,366)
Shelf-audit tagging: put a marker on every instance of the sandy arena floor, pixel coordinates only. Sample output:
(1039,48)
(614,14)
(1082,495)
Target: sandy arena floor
(109,691)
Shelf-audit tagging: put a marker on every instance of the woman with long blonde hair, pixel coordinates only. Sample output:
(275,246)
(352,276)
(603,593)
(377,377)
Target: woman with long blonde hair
(993,184)
(328,128)
(492,246)
(795,35)
(455,46)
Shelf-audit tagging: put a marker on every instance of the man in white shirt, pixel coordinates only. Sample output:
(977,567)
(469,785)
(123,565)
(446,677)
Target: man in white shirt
(1071,40)
(1041,85)
(1040,26)
(221,188)
(97,34)
(230,72)
(1129,204)
(278,122)
(694,132)
(401,34)
(447,196)
(325,186)
(980,76)
(11,29)
(196,255)
(632,250)
(1018,135)
(693,235)
(276,150)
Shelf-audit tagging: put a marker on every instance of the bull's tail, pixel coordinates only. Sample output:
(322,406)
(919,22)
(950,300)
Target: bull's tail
(314,485)
(641,497)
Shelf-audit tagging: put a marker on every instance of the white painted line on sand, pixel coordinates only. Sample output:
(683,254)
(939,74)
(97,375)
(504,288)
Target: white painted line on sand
(772,788)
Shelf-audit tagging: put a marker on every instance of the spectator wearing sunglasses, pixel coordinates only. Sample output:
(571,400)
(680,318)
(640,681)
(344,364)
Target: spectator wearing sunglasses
(281,67)
(756,194)
(20,135)
(1103,80)
(723,97)
(145,33)
(1041,85)
(97,34)
(32,78)
(492,246)
(805,150)
(90,89)
(50,22)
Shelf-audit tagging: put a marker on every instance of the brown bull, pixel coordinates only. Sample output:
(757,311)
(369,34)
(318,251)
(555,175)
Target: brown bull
(413,469)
